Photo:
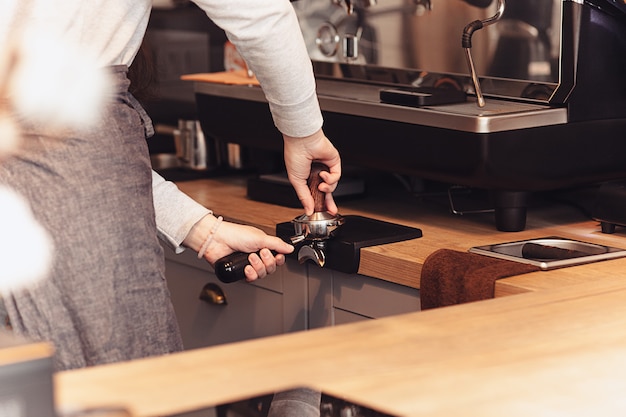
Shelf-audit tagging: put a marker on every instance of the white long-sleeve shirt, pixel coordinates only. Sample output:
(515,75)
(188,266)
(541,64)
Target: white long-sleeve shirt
(265,32)
(175,212)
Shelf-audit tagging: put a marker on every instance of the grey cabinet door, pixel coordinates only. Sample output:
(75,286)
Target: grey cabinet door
(296,297)
(338,298)
(273,305)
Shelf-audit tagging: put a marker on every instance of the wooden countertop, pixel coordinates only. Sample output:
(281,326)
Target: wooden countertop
(557,352)
(401,262)
(554,352)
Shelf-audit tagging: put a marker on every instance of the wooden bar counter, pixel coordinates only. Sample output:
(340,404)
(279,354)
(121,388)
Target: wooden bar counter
(557,352)
(556,349)
(402,262)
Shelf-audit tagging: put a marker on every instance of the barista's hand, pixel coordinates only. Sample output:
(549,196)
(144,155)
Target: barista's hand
(232,237)
(299,154)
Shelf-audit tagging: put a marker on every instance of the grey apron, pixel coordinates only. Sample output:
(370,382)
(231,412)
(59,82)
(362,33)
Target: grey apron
(106,299)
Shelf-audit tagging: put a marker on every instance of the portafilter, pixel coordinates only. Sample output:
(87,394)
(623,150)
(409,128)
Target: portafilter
(311,232)
(315,229)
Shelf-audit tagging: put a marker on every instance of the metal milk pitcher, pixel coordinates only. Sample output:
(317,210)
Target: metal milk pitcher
(191,145)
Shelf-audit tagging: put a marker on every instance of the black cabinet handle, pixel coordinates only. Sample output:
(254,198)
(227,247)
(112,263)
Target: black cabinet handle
(213,294)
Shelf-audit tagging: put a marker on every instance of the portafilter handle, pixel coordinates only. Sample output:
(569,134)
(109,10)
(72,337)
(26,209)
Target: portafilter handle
(230,268)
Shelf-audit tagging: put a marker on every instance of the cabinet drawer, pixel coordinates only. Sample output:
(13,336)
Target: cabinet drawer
(251,310)
(345,317)
(373,297)
(336,297)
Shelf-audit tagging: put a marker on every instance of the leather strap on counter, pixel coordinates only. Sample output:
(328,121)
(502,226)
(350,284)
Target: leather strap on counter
(451,277)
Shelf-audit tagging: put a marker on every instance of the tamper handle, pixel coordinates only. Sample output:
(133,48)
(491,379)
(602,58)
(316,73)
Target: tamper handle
(315,180)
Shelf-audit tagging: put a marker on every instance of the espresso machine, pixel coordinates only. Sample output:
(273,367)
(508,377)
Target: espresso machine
(542,106)
(545,103)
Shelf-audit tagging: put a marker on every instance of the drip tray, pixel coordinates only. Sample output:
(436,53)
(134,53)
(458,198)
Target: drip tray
(550,252)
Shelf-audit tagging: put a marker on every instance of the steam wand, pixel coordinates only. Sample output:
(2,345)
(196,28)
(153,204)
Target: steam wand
(467,45)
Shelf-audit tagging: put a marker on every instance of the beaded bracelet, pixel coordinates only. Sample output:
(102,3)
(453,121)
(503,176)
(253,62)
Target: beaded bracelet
(209,238)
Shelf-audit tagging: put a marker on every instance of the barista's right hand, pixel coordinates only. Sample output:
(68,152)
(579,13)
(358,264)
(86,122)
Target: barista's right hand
(300,153)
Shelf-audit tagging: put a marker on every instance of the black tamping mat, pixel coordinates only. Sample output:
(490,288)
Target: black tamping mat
(343,249)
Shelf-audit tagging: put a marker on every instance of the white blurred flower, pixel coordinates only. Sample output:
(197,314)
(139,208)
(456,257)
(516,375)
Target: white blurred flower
(46,80)
(25,246)
(55,83)
(9,136)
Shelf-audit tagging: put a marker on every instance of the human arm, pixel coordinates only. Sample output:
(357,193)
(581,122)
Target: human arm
(299,154)
(268,36)
(225,238)
(184,223)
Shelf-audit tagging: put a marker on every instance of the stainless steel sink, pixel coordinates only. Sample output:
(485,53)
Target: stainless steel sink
(550,252)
